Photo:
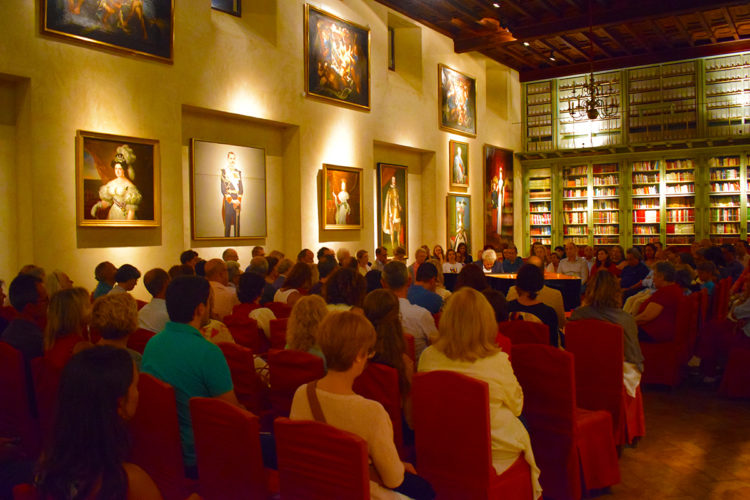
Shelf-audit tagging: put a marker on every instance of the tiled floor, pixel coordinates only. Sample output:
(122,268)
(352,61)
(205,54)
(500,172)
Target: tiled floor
(697,447)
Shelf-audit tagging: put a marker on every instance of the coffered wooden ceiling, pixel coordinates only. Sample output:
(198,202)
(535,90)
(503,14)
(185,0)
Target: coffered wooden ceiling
(553,38)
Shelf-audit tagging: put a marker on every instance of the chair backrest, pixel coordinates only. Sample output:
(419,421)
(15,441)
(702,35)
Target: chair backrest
(410,349)
(525,332)
(46,386)
(452,429)
(156,445)
(721,298)
(246,333)
(694,301)
(280,309)
(8,313)
(319,462)
(25,491)
(504,343)
(227,446)
(15,412)
(278,332)
(598,350)
(380,383)
(287,371)
(686,324)
(703,307)
(139,338)
(436,317)
(546,375)
(249,388)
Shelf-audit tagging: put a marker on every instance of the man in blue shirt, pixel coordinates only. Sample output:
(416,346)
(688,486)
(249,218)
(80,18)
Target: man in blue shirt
(511,261)
(184,359)
(422,293)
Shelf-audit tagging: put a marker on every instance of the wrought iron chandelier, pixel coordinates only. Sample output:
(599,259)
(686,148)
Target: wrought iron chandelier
(595,100)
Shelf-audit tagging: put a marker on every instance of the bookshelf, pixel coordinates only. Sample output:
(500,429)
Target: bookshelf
(575,213)
(679,192)
(725,196)
(606,203)
(646,201)
(539,182)
(727,90)
(588,133)
(539,116)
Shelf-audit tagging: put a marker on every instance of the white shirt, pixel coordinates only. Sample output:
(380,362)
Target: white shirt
(117,289)
(263,316)
(379,266)
(576,268)
(452,268)
(417,321)
(153,316)
(225,298)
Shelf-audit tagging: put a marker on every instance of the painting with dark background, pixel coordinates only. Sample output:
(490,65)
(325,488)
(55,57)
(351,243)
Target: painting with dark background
(392,220)
(498,193)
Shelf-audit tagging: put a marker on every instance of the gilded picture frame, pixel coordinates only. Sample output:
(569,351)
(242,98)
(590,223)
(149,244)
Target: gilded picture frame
(138,28)
(232,7)
(328,74)
(341,199)
(117,181)
(458,164)
(393,206)
(498,193)
(457,101)
(458,221)
(227,191)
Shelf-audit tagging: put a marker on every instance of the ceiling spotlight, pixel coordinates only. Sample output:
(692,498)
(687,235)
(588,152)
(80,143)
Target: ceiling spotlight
(552,55)
(526,44)
(552,58)
(496,5)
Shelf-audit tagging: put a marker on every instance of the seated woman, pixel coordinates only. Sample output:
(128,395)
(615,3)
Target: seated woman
(603,262)
(466,344)
(303,323)
(617,255)
(346,339)
(649,255)
(382,309)
(528,305)
(297,282)
(603,301)
(554,263)
(249,293)
(657,315)
(115,317)
(345,290)
(440,281)
(451,265)
(632,275)
(539,250)
(473,277)
(66,332)
(87,454)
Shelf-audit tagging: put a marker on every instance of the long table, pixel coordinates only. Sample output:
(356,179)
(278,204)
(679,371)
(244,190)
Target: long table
(569,286)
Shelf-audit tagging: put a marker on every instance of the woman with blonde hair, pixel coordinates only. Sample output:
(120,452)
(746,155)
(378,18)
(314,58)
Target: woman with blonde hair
(302,326)
(347,339)
(115,317)
(466,345)
(68,315)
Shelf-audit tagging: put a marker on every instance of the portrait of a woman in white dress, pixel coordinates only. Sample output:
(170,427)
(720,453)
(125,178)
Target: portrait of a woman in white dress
(342,204)
(120,195)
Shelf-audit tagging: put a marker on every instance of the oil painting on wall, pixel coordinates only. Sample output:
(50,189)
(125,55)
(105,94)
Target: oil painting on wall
(498,194)
(341,198)
(392,221)
(458,101)
(459,221)
(458,163)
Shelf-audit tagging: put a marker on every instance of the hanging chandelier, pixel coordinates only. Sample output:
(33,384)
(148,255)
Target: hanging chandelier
(595,100)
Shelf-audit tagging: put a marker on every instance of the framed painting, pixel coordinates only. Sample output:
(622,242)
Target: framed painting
(458,165)
(341,206)
(233,7)
(117,180)
(337,59)
(457,101)
(227,191)
(498,193)
(392,220)
(459,221)
(135,26)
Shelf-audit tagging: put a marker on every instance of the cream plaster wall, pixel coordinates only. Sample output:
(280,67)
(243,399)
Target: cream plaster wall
(252,67)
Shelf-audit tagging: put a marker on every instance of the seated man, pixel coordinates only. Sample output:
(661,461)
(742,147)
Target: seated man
(572,264)
(105,277)
(153,316)
(326,265)
(184,359)
(511,261)
(657,317)
(422,293)
(126,278)
(249,291)
(29,297)
(547,295)
(225,297)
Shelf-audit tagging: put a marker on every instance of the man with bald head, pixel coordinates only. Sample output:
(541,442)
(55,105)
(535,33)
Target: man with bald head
(548,296)
(225,297)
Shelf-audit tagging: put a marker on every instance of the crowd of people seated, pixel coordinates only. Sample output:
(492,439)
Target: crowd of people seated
(345,310)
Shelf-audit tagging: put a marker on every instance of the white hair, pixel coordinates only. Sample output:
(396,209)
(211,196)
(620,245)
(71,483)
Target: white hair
(489,254)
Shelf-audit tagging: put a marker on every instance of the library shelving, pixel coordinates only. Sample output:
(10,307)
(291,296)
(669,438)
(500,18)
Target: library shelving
(575,213)
(539,182)
(727,89)
(679,192)
(725,196)
(539,116)
(588,133)
(606,203)
(646,201)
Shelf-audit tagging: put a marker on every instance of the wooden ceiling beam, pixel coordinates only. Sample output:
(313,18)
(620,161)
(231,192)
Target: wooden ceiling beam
(549,7)
(483,42)
(706,26)
(575,5)
(636,37)
(518,8)
(683,30)
(592,39)
(730,22)
(658,32)
(573,47)
(508,52)
(558,53)
(620,44)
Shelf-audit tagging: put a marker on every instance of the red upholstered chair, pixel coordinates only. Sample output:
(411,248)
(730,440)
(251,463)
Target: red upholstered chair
(16,420)
(454,446)
(319,462)
(46,385)
(635,418)
(287,371)
(8,313)
(278,333)
(525,332)
(664,360)
(227,446)
(155,431)
(570,444)
(503,343)
(249,388)
(380,383)
(598,350)
(736,380)
(245,332)
(280,310)
(139,338)
(140,303)
(25,492)
(410,349)
(436,317)
(721,298)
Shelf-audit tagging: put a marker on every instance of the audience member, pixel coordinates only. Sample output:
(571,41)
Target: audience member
(399,254)
(344,290)
(706,276)
(126,278)
(437,253)
(338,405)
(472,277)
(189,258)
(511,261)
(498,302)
(462,254)
(272,275)
(115,317)
(417,321)
(257,252)
(372,278)
(180,356)
(632,275)
(466,344)
(743,255)
(560,251)
(733,267)
(420,255)
(285,265)
(230,255)
(66,333)
(215,331)
(248,292)
(540,251)
(589,257)
(528,305)
(233,273)
(278,255)
(381,259)
(572,264)
(225,297)
(105,278)
(554,263)
(603,262)
(153,316)
(549,296)
(649,255)
(303,323)
(34,271)
(422,292)
(87,454)
(326,265)
(180,270)
(489,264)
(440,281)
(325,251)
(617,256)
(29,298)
(306,256)
(343,256)
(200,268)
(258,265)
(657,315)
(363,262)
(451,265)
(297,283)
